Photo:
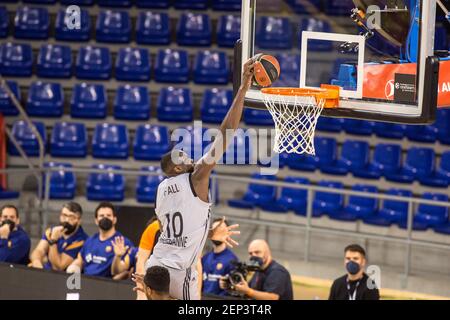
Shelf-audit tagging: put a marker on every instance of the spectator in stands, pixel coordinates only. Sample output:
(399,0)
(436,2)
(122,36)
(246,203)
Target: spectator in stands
(273,282)
(155,283)
(97,254)
(355,284)
(124,262)
(61,244)
(14,241)
(217,263)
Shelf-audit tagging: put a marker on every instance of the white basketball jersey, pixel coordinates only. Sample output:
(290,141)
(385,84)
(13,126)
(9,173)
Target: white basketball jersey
(185,223)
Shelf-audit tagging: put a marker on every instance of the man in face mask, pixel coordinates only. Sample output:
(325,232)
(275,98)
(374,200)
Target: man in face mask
(217,263)
(97,255)
(354,285)
(14,241)
(61,244)
(273,282)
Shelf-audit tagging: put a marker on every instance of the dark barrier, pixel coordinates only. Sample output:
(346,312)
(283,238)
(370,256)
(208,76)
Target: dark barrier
(132,221)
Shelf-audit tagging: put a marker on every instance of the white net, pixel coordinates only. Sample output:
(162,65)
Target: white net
(295,120)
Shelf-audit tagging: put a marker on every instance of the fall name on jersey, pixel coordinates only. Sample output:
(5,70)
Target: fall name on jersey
(171,189)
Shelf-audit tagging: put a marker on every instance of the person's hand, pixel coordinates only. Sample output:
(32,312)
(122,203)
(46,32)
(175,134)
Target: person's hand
(4,231)
(56,233)
(138,279)
(247,74)
(222,283)
(37,264)
(119,246)
(242,287)
(224,234)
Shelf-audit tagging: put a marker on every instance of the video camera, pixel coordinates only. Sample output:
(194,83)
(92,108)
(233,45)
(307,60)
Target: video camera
(241,271)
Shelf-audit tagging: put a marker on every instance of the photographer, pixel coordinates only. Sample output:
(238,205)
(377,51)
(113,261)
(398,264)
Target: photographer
(14,241)
(353,285)
(217,263)
(271,282)
(60,245)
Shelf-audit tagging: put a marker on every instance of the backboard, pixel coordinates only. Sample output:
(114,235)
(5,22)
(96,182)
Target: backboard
(380,52)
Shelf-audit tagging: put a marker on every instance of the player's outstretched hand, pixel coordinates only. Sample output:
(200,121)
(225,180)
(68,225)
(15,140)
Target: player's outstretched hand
(224,234)
(138,279)
(247,75)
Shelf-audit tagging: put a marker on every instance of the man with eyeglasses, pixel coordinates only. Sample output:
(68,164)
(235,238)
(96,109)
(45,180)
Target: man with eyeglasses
(61,244)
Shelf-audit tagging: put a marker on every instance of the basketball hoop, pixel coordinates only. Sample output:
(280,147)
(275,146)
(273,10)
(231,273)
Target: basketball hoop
(295,112)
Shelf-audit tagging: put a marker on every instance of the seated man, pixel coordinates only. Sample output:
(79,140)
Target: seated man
(61,244)
(97,255)
(155,284)
(14,241)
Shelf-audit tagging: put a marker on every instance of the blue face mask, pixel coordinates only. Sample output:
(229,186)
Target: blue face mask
(352,267)
(257,260)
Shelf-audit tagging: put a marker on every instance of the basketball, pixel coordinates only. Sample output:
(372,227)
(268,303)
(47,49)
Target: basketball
(266,70)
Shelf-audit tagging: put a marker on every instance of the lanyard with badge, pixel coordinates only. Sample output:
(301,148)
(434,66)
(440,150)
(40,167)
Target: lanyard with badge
(352,297)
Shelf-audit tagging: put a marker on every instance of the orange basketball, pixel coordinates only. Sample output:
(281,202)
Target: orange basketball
(266,70)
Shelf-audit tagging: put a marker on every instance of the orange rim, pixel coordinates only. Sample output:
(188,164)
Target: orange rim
(329,93)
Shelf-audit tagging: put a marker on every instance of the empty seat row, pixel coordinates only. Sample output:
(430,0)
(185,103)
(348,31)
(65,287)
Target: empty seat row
(231,5)
(111,141)
(132,64)
(386,161)
(115,26)
(104,186)
(333,204)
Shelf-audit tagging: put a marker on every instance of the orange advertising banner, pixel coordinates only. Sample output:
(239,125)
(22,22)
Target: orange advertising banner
(379,80)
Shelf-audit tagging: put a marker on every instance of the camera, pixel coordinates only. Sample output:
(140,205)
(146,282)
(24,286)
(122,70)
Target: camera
(241,271)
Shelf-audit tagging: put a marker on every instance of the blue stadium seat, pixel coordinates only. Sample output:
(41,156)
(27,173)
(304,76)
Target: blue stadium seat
(298,5)
(8,194)
(258,117)
(326,202)
(330,124)
(4,22)
(7,107)
(389,130)
(256,194)
(54,61)
(345,76)
(386,161)
(113,26)
(93,63)
(316,25)
(26,138)
(215,104)
(16,59)
(358,127)
(443,228)
(110,141)
(443,125)
(38,1)
(68,139)
(338,7)
(194,30)
(153,28)
(226,5)
(273,33)
(421,133)
(440,38)
(147,186)
(172,66)
(114,3)
(191,4)
(392,211)
(429,216)
(45,99)
(228,30)
(107,186)
(419,164)
(290,66)
(88,101)
(326,155)
(239,151)
(133,64)
(290,198)
(31,23)
(78,2)
(151,142)
(301,162)
(62,182)
(132,103)
(441,176)
(190,140)
(65,33)
(211,67)
(358,207)
(175,104)
(162,4)
(354,158)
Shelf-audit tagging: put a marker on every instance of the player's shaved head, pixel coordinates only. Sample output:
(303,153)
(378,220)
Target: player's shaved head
(176,162)
(260,248)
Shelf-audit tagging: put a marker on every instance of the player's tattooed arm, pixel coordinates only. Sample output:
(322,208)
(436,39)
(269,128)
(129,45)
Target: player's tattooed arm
(224,234)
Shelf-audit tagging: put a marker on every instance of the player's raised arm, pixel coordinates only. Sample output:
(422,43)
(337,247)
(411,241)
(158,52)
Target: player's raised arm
(229,125)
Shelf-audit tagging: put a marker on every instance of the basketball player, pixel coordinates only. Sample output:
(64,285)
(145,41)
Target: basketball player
(183,208)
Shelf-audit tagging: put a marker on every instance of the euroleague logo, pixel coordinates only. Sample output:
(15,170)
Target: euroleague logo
(389,89)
